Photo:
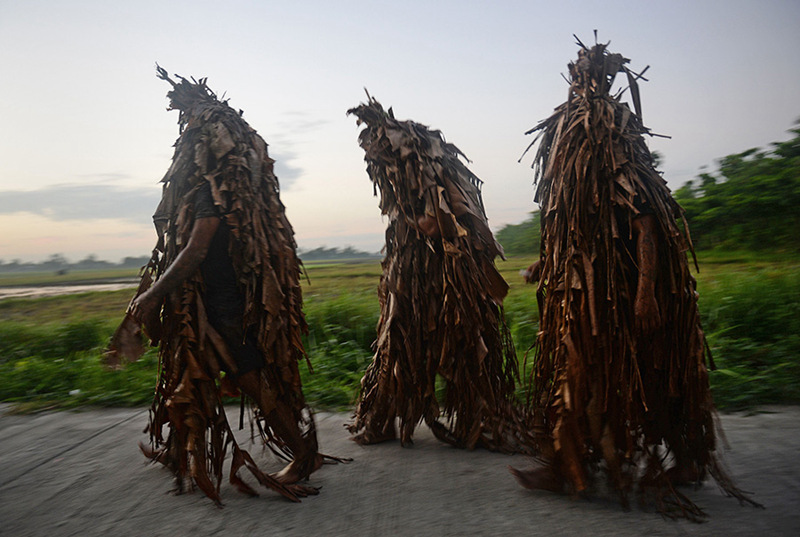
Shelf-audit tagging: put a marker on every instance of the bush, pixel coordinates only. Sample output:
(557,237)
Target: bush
(752,321)
(751,317)
(338,368)
(344,318)
(19,340)
(76,380)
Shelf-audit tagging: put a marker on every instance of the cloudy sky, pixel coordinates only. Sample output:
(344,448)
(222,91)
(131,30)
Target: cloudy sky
(85,136)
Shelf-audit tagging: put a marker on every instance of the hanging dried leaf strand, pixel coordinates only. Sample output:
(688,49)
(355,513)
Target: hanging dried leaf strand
(219,151)
(604,390)
(440,295)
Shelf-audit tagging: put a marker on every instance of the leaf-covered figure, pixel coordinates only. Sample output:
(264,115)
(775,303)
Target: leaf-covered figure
(440,295)
(221,297)
(620,380)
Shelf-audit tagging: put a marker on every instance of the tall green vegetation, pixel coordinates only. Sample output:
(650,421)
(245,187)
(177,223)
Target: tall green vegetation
(752,202)
(752,319)
(50,348)
(339,344)
(52,364)
(521,239)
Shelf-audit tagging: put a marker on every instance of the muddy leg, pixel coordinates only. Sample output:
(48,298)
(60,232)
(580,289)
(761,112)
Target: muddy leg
(280,419)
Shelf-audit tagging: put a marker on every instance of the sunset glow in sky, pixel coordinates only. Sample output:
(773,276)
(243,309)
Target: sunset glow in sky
(85,136)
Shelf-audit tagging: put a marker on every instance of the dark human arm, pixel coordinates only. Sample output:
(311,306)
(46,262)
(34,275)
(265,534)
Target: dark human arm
(646,306)
(146,307)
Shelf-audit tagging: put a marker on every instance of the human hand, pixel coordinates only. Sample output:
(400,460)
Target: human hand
(146,310)
(646,311)
(126,344)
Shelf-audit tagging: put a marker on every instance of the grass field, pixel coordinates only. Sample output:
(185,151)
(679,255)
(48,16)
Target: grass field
(50,347)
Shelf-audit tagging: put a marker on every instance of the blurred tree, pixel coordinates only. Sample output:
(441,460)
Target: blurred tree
(54,262)
(521,239)
(750,203)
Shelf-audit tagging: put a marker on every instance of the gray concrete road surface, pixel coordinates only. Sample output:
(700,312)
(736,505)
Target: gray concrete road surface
(81,473)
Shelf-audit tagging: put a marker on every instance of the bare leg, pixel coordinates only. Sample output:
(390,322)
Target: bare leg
(540,478)
(279,418)
(377,419)
(306,458)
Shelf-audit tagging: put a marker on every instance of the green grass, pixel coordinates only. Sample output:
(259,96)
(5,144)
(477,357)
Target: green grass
(50,348)
(106,307)
(751,315)
(58,365)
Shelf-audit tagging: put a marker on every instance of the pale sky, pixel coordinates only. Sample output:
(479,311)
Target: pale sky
(85,136)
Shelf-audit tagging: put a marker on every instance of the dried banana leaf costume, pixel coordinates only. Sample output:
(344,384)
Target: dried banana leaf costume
(604,394)
(440,294)
(218,151)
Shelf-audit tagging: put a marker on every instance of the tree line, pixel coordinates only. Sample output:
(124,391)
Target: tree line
(752,202)
(339,254)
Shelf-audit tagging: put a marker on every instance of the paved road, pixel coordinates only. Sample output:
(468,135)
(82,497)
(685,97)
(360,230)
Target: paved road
(80,473)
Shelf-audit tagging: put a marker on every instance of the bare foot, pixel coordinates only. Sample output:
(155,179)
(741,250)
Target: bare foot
(126,344)
(366,438)
(155,455)
(542,478)
(302,491)
(292,472)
